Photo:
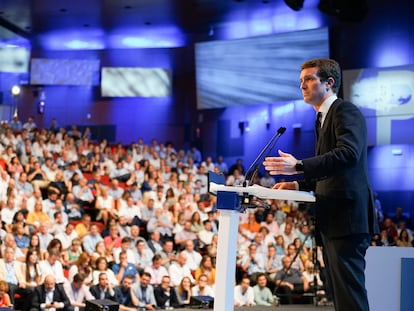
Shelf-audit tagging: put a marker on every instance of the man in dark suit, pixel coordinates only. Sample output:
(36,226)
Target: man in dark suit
(50,296)
(165,295)
(103,289)
(338,175)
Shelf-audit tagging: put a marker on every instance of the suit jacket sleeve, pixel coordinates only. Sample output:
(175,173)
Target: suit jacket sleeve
(37,299)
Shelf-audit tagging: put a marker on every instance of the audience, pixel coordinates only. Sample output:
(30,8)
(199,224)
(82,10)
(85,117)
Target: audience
(82,214)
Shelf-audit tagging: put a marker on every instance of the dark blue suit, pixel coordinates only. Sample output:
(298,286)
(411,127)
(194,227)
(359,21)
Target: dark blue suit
(344,203)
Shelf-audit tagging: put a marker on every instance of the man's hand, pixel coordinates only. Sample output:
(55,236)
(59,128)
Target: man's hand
(283,165)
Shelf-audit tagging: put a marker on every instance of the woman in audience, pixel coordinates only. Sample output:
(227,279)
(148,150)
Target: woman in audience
(212,248)
(106,206)
(73,252)
(83,267)
(35,244)
(101,251)
(102,266)
(403,239)
(31,269)
(19,218)
(206,268)
(196,224)
(184,291)
(37,217)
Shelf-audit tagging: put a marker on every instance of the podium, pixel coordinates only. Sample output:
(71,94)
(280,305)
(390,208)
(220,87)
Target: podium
(229,201)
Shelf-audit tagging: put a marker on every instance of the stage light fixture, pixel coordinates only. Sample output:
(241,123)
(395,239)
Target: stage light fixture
(295,5)
(15,90)
(345,10)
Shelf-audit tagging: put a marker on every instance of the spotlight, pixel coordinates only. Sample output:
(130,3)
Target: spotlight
(295,5)
(15,90)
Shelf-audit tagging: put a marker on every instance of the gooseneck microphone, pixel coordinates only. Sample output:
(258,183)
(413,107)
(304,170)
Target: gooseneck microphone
(269,147)
(247,200)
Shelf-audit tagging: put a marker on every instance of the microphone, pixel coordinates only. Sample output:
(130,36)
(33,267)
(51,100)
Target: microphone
(269,147)
(246,201)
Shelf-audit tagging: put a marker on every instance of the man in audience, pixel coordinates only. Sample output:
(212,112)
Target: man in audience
(50,296)
(179,269)
(124,294)
(77,292)
(156,270)
(52,266)
(262,294)
(90,240)
(165,295)
(144,292)
(103,289)
(11,271)
(290,281)
(244,294)
(124,268)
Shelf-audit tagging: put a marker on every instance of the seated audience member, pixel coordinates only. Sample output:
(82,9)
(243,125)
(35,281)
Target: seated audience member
(183,291)
(185,235)
(253,263)
(50,296)
(125,246)
(179,269)
(103,289)
(202,289)
(102,251)
(124,268)
(206,267)
(244,294)
(144,292)
(67,236)
(165,295)
(72,254)
(90,240)
(289,281)
(77,292)
(83,228)
(31,269)
(143,255)
(193,257)
(262,294)
(11,271)
(52,266)
(5,301)
(154,242)
(82,266)
(101,266)
(156,270)
(124,294)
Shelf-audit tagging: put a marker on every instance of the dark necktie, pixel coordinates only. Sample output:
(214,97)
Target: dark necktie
(144,294)
(318,124)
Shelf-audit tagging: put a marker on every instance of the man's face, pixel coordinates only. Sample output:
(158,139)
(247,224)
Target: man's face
(77,285)
(126,283)
(49,284)
(245,283)
(262,281)
(9,255)
(103,281)
(165,283)
(313,90)
(145,280)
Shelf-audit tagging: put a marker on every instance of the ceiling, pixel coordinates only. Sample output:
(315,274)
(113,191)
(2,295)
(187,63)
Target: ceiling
(35,19)
(100,24)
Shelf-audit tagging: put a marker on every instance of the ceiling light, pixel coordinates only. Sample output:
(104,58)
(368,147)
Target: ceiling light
(295,5)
